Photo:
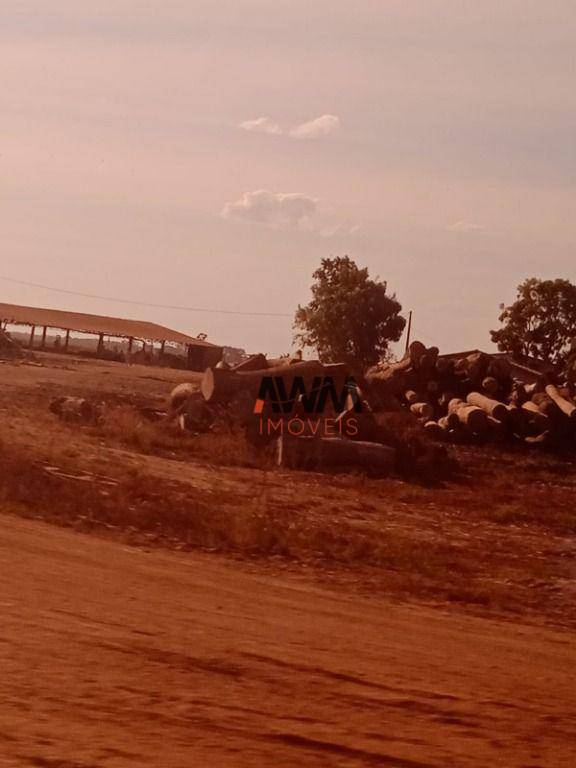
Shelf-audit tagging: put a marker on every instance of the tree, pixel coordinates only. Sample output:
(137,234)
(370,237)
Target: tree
(351,318)
(541,322)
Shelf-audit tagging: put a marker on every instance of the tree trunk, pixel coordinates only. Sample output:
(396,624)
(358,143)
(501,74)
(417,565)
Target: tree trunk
(423,410)
(490,386)
(535,415)
(219,385)
(546,405)
(491,407)
(327,453)
(470,416)
(411,397)
(180,394)
(568,408)
(253,363)
(435,430)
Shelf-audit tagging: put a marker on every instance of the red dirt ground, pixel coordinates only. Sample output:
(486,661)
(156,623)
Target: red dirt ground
(112,656)
(337,621)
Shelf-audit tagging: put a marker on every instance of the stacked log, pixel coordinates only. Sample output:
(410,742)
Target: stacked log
(567,407)
(252,363)
(221,386)
(469,398)
(470,416)
(493,408)
(474,397)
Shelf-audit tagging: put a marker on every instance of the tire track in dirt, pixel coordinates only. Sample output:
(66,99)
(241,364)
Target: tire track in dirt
(113,657)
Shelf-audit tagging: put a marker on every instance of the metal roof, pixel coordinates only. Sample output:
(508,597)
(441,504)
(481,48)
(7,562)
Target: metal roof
(84,323)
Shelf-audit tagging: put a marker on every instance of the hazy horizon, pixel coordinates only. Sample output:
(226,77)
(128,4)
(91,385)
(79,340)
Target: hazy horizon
(210,155)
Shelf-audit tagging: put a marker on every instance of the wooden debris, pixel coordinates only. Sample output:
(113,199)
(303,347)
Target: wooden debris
(195,415)
(76,409)
(334,454)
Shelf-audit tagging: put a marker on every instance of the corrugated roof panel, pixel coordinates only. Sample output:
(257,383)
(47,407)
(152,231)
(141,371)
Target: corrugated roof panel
(84,323)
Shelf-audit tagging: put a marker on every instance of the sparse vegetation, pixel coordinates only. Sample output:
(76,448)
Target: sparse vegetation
(226,445)
(479,539)
(214,520)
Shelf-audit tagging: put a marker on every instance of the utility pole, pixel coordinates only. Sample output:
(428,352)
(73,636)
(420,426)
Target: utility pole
(408,331)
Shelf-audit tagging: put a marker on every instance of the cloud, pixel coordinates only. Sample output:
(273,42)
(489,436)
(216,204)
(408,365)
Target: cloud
(274,209)
(342,230)
(465,226)
(314,129)
(261,125)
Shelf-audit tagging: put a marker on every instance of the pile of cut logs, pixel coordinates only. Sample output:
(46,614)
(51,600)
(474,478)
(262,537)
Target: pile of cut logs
(474,398)
(334,438)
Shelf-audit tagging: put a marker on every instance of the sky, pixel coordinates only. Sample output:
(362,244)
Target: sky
(206,154)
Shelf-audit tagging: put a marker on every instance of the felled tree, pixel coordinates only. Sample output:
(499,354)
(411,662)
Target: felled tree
(541,322)
(351,318)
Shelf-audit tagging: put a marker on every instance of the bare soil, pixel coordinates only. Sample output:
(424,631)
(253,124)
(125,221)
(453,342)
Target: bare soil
(114,656)
(306,620)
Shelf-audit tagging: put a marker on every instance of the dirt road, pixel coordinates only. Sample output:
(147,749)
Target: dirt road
(114,656)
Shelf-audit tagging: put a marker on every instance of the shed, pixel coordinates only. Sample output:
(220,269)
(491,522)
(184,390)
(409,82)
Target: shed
(200,353)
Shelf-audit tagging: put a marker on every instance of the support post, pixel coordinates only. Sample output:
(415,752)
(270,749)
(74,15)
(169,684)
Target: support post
(67,340)
(100,343)
(32,331)
(44,332)
(408,331)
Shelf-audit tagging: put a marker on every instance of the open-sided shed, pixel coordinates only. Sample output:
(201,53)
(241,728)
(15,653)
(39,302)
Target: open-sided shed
(201,353)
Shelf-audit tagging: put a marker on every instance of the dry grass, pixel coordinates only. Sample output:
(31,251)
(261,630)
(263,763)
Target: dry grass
(398,560)
(224,446)
(418,458)
(211,521)
(497,534)
(124,426)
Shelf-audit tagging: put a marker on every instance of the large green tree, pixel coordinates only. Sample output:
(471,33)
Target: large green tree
(541,322)
(351,318)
